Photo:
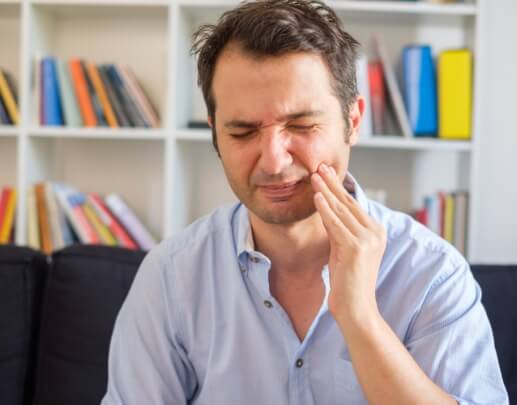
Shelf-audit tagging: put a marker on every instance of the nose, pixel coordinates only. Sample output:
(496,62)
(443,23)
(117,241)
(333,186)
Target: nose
(274,151)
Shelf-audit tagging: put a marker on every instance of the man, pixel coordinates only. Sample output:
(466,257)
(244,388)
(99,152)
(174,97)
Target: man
(305,292)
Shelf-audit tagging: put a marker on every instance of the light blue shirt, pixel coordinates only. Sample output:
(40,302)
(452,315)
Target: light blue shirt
(200,326)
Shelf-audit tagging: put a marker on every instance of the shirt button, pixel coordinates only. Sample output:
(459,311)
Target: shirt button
(268,304)
(299,363)
(242,269)
(254,259)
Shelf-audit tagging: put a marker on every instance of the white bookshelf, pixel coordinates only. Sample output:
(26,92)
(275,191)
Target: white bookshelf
(171,175)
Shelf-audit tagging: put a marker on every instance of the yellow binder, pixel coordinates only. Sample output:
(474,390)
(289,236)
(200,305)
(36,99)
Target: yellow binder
(455,94)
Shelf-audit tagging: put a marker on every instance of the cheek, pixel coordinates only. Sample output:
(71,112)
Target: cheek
(316,150)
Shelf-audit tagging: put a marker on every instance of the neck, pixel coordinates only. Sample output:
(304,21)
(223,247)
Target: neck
(297,249)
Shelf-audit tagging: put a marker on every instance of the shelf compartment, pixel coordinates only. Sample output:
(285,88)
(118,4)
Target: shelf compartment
(99,133)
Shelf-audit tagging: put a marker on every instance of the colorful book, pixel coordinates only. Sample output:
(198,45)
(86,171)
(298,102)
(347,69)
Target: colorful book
(129,220)
(420,89)
(52,110)
(455,94)
(143,103)
(4,197)
(363,87)
(82,94)
(96,80)
(461,201)
(111,222)
(8,95)
(448,220)
(6,228)
(96,104)
(377,96)
(102,231)
(4,115)
(71,113)
(393,90)
(53,217)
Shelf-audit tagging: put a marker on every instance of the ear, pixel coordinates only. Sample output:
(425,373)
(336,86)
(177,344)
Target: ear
(355,117)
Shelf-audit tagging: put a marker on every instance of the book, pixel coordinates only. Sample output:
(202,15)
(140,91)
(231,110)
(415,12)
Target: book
(56,232)
(124,98)
(455,94)
(82,94)
(102,231)
(43,218)
(6,227)
(4,116)
(52,113)
(143,102)
(363,87)
(122,119)
(123,238)
(71,113)
(32,219)
(448,221)
(461,200)
(394,93)
(420,89)
(377,96)
(96,104)
(8,95)
(4,196)
(129,220)
(96,80)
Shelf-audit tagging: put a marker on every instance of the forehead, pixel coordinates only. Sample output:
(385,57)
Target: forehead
(269,86)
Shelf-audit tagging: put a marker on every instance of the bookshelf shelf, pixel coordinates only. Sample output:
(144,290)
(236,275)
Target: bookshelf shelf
(9,131)
(99,133)
(378,141)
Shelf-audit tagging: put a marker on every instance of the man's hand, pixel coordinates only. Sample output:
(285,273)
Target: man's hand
(357,244)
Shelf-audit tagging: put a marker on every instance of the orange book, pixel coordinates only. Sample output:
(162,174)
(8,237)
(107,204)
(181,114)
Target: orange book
(82,94)
(7,225)
(93,73)
(44,225)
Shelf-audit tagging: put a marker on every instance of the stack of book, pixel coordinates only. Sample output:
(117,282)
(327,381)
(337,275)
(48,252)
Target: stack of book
(78,93)
(446,214)
(434,98)
(59,215)
(8,100)
(7,214)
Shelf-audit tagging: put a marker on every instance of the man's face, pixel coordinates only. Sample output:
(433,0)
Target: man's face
(276,121)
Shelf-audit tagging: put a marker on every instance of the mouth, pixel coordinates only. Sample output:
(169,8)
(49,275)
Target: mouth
(280,191)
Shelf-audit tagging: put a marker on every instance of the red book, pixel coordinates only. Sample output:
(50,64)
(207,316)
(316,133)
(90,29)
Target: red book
(421,216)
(441,199)
(111,222)
(377,96)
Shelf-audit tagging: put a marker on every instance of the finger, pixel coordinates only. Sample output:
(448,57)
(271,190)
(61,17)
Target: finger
(336,186)
(336,230)
(340,209)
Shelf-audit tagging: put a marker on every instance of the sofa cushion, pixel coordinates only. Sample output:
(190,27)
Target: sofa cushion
(499,289)
(22,272)
(85,289)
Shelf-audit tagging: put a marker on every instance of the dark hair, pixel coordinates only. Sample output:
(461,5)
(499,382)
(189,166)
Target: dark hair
(277,27)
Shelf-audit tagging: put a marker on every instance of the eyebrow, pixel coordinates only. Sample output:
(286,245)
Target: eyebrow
(288,117)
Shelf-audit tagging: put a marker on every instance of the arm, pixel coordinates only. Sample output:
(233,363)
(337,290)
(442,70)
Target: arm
(386,370)
(147,364)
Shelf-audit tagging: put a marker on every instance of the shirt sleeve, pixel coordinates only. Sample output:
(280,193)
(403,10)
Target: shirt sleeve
(452,341)
(147,363)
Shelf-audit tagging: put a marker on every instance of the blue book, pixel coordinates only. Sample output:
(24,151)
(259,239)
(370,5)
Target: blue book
(420,89)
(4,116)
(52,109)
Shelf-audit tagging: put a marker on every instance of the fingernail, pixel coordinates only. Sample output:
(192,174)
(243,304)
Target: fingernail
(324,168)
(332,170)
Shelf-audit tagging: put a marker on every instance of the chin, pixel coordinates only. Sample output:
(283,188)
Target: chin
(282,214)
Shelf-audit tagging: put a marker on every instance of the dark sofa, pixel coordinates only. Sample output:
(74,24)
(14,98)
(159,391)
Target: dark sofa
(57,315)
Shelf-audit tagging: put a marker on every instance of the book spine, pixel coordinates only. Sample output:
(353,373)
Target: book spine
(72,115)
(52,110)
(53,218)
(102,231)
(44,226)
(96,104)
(130,221)
(109,220)
(82,94)
(32,223)
(4,116)
(10,208)
(62,193)
(115,103)
(9,98)
(125,101)
(144,105)
(4,196)
(103,96)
